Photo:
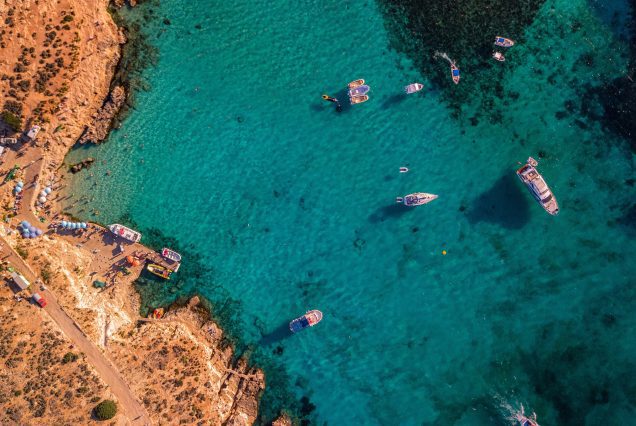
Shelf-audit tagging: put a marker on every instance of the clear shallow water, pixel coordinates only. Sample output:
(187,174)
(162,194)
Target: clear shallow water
(280,204)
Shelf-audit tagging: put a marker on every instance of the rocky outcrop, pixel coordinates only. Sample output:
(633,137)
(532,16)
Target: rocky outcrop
(84,164)
(283,420)
(98,130)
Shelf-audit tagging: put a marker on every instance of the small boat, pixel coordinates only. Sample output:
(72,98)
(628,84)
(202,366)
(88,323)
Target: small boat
(158,270)
(359,91)
(171,255)
(358,99)
(537,186)
(499,56)
(124,232)
(454,73)
(356,83)
(503,42)
(310,319)
(413,88)
(404,169)
(416,199)
(525,421)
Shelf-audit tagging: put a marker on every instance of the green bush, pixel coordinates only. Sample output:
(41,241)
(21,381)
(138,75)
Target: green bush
(69,357)
(105,410)
(12,121)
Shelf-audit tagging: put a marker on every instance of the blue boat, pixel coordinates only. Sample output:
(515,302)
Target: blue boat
(503,42)
(310,319)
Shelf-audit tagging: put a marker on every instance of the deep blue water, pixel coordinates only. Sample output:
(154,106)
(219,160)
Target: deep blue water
(279,204)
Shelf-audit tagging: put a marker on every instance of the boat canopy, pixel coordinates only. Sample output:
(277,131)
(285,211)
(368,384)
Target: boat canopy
(455,72)
(359,91)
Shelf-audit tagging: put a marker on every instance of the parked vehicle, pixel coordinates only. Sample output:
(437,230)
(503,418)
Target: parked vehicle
(39,300)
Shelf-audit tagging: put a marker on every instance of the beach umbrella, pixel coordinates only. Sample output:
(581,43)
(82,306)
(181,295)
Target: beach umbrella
(24,223)
(32,235)
(20,183)
(38,232)
(31,229)
(83,225)
(18,189)
(47,189)
(25,233)
(42,200)
(73,225)
(43,193)
(64,223)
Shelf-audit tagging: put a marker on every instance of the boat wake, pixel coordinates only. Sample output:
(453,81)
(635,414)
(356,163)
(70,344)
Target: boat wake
(515,413)
(443,55)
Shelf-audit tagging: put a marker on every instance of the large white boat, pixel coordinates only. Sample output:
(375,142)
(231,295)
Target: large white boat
(537,186)
(416,199)
(125,233)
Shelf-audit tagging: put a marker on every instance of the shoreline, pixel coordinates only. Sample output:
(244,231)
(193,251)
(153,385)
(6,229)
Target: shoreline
(110,316)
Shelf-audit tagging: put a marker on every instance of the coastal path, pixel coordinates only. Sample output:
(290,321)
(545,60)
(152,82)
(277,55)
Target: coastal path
(106,370)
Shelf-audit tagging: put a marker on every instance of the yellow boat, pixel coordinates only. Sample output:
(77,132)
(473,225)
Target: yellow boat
(160,271)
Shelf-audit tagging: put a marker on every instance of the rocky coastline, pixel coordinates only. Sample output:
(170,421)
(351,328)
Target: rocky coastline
(180,368)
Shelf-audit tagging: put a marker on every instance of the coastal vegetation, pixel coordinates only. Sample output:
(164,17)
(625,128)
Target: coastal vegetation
(105,410)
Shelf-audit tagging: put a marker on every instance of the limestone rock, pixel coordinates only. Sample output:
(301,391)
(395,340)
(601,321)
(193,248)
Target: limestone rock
(98,130)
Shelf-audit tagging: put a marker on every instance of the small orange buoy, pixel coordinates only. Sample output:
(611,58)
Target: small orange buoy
(443,252)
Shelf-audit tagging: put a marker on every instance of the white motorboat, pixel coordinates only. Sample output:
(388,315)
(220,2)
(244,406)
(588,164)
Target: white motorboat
(537,186)
(125,233)
(413,88)
(416,199)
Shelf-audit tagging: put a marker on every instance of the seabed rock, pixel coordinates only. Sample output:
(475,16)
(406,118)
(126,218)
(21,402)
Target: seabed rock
(85,164)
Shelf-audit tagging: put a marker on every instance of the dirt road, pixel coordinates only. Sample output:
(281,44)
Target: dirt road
(104,368)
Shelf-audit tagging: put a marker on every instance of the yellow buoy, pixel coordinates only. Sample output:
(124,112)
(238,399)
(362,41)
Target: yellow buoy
(444,252)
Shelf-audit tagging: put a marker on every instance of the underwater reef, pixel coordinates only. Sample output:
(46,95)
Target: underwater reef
(464,30)
(618,97)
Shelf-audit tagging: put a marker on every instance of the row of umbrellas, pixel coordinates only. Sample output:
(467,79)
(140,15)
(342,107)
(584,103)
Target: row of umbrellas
(29,231)
(19,186)
(73,225)
(43,194)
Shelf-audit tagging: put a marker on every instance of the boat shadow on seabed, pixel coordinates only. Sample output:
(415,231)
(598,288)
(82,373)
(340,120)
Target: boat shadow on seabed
(279,334)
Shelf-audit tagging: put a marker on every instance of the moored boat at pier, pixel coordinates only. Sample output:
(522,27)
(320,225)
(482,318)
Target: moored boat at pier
(125,233)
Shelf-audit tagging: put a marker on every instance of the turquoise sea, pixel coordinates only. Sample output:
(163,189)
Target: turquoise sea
(280,204)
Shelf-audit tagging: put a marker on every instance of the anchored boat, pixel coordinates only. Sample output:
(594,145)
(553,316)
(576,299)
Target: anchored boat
(537,186)
(413,88)
(454,73)
(503,42)
(158,270)
(125,233)
(416,199)
(499,56)
(310,319)
(356,83)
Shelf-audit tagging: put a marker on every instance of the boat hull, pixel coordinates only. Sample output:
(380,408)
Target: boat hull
(418,199)
(125,232)
(171,255)
(310,319)
(159,271)
(537,186)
